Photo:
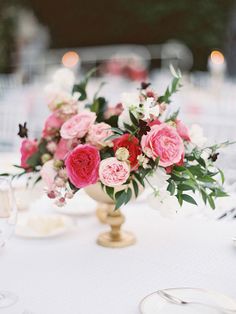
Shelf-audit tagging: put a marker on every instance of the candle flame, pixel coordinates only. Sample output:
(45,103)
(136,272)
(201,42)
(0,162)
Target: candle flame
(217,57)
(70,59)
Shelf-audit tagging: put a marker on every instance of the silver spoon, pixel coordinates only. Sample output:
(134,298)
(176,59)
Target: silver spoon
(176,300)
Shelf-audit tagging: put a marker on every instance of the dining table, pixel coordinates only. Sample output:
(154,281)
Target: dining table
(72,274)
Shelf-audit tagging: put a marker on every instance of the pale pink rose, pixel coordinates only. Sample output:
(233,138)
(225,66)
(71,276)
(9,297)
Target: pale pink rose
(113,172)
(82,165)
(52,125)
(78,126)
(98,133)
(164,142)
(51,147)
(62,149)
(182,130)
(48,174)
(28,148)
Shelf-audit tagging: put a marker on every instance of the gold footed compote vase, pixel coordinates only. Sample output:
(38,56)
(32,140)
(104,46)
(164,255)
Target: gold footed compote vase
(116,237)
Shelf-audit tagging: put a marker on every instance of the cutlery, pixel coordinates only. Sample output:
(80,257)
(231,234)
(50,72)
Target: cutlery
(227,213)
(176,300)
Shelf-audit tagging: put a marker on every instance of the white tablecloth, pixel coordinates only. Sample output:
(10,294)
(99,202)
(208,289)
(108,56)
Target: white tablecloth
(71,274)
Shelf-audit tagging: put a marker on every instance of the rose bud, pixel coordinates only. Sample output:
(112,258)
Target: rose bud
(122,154)
(45,158)
(58,164)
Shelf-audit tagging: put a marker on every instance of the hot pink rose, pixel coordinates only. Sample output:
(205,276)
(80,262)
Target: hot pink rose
(62,149)
(182,130)
(28,148)
(113,172)
(78,126)
(48,174)
(163,141)
(154,122)
(98,133)
(82,165)
(52,125)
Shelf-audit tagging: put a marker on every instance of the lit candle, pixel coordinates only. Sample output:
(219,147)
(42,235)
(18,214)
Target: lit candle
(216,63)
(70,59)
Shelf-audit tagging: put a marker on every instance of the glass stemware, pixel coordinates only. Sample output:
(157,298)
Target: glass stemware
(8,215)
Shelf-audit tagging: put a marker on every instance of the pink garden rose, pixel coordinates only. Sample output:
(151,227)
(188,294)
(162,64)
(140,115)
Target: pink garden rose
(48,174)
(82,165)
(113,172)
(52,125)
(78,126)
(98,133)
(163,141)
(62,149)
(28,148)
(182,130)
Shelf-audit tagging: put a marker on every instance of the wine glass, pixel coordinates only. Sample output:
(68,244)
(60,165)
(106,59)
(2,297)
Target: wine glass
(8,215)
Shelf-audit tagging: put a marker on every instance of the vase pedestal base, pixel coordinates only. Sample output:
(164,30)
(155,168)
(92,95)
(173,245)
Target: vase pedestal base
(124,239)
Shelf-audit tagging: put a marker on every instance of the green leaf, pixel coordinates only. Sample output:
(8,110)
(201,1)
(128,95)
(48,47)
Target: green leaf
(157,161)
(211,201)
(111,137)
(110,191)
(180,199)
(135,186)
(171,187)
(128,195)
(202,162)
(133,118)
(222,176)
(204,195)
(34,160)
(140,180)
(206,179)
(118,131)
(80,88)
(120,198)
(189,199)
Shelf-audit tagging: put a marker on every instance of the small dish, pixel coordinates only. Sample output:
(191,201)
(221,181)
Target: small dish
(155,304)
(31,225)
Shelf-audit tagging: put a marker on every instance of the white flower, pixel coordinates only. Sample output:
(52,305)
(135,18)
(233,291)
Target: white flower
(196,135)
(164,202)
(149,108)
(64,79)
(143,161)
(159,178)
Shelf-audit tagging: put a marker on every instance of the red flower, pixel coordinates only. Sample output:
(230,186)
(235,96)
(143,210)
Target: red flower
(82,165)
(132,144)
(28,148)
(180,163)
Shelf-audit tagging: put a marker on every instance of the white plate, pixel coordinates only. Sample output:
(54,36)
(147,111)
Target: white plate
(31,225)
(234,240)
(155,304)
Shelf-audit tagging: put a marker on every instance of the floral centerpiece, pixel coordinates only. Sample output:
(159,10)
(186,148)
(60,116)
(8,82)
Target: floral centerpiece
(125,148)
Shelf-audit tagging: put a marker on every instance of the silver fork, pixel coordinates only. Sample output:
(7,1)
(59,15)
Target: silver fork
(176,300)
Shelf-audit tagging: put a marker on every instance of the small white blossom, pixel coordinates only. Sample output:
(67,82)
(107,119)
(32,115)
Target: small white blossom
(158,178)
(164,202)
(143,161)
(149,108)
